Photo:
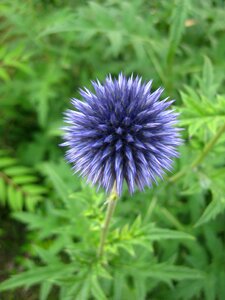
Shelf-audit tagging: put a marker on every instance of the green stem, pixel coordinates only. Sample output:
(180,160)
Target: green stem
(201,156)
(112,201)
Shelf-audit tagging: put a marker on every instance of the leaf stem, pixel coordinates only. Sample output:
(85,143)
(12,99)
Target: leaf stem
(201,156)
(112,201)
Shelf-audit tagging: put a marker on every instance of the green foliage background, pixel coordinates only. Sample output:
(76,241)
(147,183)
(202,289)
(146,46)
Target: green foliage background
(166,243)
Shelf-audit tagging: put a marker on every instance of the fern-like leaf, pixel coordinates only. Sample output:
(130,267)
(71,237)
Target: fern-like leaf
(19,185)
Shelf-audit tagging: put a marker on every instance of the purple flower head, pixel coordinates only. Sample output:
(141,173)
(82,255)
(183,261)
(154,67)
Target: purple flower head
(120,132)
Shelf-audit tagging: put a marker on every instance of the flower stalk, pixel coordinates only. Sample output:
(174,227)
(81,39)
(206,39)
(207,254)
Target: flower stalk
(111,202)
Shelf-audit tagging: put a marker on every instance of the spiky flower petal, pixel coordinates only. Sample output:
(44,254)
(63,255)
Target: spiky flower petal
(121,132)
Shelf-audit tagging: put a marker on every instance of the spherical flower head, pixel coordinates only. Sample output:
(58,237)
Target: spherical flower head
(121,132)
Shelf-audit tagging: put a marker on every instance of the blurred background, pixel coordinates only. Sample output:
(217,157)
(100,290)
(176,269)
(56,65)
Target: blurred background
(50,218)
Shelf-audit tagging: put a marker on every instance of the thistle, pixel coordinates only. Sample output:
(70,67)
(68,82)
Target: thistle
(121,132)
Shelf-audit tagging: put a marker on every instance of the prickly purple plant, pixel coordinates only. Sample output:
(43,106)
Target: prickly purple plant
(121,132)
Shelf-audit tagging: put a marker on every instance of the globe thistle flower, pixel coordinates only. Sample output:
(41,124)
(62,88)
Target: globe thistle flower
(121,132)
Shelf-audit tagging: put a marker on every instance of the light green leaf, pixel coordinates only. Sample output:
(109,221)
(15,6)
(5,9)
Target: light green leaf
(157,234)
(36,275)
(6,161)
(17,170)
(22,179)
(11,194)
(34,189)
(4,75)
(31,202)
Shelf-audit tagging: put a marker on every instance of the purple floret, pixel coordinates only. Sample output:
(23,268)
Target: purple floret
(120,132)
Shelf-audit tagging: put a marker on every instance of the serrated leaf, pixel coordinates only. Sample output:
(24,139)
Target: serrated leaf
(128,247)
(34,221)
(136,224)
(36,275)
(184,291)
(214,208)
(76,286)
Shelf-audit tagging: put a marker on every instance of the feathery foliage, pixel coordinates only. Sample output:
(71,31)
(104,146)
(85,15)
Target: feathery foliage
(165,243)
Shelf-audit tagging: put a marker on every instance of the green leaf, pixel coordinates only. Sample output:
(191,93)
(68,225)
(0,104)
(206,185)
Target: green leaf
(4,75)
(19,200)
(6,161)
(140,288)
(157,234)
(96,290)
(34,189)
(34,221)
(177,27)
(118,285)
(57,181)
(35,276)
(17,170)
(24,179)
(184,291)
(17,183)
(15,198)
(167,272)
(84,289)
(11,194)
(207,82)
(31,202)
(45,289)
(2,191)
(215,207)
(200,114)
(116,40)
